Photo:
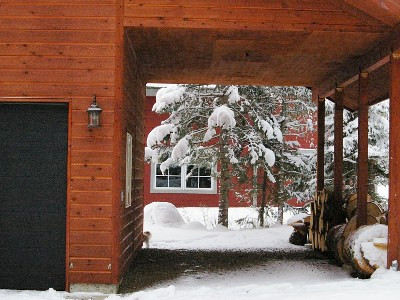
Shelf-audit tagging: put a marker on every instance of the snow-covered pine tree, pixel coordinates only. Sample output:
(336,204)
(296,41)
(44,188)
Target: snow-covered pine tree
(294,171)
(378,148)
(209,126)
(291,110)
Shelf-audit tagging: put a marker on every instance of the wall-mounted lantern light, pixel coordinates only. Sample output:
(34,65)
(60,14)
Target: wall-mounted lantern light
(94,112)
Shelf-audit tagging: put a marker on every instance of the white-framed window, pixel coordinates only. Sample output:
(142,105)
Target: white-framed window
(128,175)
(182,179)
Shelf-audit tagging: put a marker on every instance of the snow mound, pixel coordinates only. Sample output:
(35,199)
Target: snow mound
(223,117)
(220,228)
(267,128)
(167,96)
(375,256)
(162,213)
(180,150)
(297,218)
(233,93)
(193,226)
(158,134)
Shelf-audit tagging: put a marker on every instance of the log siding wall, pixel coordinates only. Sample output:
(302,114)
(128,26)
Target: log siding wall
(66,50)
(131,218)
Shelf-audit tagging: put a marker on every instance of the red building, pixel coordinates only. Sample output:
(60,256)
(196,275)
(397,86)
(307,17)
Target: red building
(174,188)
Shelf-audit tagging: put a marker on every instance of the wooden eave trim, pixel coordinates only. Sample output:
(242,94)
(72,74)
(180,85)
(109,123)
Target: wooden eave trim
(383,11)
(377,58)
(356,12)
(355,78)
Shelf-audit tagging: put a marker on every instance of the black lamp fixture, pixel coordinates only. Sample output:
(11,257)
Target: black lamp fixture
(94,112)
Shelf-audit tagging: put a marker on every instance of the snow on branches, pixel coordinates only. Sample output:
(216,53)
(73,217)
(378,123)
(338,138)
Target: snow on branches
(238,128)
(167,96)
(378,147)
(198,115)
(223,117)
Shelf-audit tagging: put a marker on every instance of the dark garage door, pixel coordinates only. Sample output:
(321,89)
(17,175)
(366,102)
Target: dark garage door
(33,177)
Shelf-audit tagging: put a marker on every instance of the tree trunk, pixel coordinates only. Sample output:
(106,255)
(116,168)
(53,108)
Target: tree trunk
(263,200)
(254,192)
(224,181)
(280,213)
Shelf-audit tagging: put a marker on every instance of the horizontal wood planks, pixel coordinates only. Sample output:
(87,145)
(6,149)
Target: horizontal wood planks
(259,15)
(257,42)
(131,218)
(66,49)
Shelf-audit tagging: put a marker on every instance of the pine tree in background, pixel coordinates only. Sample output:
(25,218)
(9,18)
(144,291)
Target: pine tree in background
(250,132)
(211,125)
(294,171)
(378,148)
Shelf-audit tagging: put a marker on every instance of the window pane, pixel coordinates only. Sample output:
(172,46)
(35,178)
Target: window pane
(158,170)
(205,182)
(192,182)
(205,172)
(192,170)
(175,170)
(161,181)
(174,181)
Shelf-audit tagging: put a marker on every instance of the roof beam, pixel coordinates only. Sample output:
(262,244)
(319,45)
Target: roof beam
(386,11)
(356,12)
(373,60)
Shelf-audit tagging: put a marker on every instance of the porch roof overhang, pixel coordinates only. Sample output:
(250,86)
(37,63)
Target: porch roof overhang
(313,43)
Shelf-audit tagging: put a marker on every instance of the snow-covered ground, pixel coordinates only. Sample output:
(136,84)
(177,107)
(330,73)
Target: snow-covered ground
(239,217)
(273,279)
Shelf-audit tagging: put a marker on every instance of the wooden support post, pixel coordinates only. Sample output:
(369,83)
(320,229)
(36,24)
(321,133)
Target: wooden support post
(321,145)
(362,172)
(338,157)
(394,162)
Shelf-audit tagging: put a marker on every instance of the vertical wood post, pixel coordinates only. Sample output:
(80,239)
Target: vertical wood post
(321,145)
(338,157)
(362,171)
(394,162)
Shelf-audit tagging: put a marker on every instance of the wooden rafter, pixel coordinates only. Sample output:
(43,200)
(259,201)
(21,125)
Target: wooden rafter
(356,12)
(386,11)
(374,59)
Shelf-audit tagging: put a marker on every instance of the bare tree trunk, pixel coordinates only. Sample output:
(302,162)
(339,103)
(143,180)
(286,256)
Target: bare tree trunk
(263,200)
(254,192)
(280,213)
(279,198)
(224,181)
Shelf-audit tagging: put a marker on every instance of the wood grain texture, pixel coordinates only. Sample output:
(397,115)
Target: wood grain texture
(338,157)
(362,171)
(131,218)
(394,163)
(321,145)
(66,49)
(118,134)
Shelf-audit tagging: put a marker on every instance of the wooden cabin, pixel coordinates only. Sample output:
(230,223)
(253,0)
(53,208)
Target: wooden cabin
(71,196)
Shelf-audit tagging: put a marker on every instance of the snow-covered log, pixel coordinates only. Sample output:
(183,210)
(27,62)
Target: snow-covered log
(366,248)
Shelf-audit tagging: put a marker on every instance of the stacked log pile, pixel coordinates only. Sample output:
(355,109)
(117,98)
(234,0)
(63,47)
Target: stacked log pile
(321,220)
(341,239)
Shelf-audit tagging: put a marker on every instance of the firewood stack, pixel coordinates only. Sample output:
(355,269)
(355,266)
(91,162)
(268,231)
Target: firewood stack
(321,220)
(340,239)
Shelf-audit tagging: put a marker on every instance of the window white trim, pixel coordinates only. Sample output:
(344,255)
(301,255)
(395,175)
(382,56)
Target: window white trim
(179,190)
